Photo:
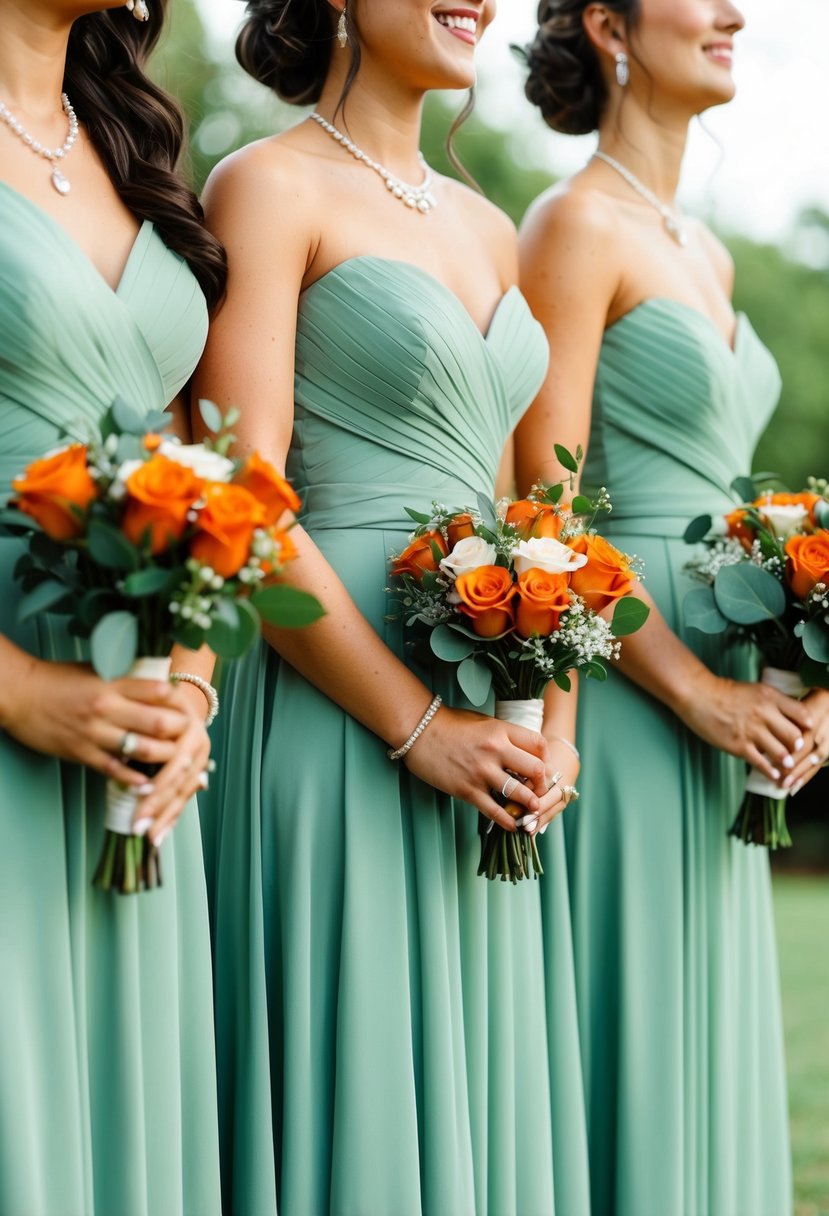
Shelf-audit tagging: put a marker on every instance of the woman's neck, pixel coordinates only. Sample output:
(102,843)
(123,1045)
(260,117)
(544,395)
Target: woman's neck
(33,44)
(382,120)
(651,147)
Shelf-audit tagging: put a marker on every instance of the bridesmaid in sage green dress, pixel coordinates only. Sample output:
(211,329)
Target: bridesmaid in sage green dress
(107,1075)
(676,964)
(381,1010)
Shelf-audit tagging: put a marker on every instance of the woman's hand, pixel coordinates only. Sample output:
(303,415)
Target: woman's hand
(753,721)
(815,751)
(184,774)
(469,755)
(561,775)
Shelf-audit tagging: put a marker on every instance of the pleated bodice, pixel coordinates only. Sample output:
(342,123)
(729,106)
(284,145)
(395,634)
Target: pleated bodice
(676,415)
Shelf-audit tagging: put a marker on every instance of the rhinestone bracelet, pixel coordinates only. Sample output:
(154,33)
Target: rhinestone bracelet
(186,677)
(397,753)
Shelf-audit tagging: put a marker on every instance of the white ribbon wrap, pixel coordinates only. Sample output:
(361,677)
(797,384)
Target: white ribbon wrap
(122,801)
(791,685)
(529,714)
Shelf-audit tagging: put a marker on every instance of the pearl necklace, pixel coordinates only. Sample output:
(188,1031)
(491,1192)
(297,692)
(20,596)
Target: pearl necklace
(52,155)
(671,219)
(419,197)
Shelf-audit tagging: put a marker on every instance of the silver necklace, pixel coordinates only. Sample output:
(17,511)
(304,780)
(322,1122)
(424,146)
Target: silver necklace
(419,197)
(54,156)
(670,218)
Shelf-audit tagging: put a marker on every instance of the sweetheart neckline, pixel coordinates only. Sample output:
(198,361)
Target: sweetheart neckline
(732,348)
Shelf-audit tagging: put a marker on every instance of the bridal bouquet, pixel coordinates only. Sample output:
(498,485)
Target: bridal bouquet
(765,575)
(511,594)
(144,542)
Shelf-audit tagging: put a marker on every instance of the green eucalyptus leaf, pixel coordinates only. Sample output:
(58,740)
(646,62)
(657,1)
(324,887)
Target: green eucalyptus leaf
(15,521)
(698,529)
(701,612)
(130,447)
(114,644)
(816,641)
(231,638)
(211,415)
(629,615)
(126,418)
(47,596)
(814,675)
(594,670)
(157,421)
(94,605)
(154,580)
(450,645)
(747,595)
(581,505)
(566,459)
(188,635)
(744,488)
(287,607)
(24,562)
(563,681)
(110,548)
(475,680)
(486,509)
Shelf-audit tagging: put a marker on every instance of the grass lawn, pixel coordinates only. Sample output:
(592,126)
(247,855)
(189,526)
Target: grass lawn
(802,909)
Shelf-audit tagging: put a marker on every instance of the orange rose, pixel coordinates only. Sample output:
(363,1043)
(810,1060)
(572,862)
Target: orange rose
(606,577)
(225,527)
(542,598)
(459,528)
(287,548)
(808,562)
(159,494)
(735,523)
(418,558)
(268,486)
(486,596)
(534,519)
(56,492)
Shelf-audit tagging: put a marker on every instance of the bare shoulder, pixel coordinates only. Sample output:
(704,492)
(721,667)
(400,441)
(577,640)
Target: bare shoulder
(720,258)
(572,211)
(493,228)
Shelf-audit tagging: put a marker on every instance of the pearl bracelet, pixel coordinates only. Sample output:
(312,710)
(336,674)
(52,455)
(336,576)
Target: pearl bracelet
(567,743)
(186,677)
(397,753)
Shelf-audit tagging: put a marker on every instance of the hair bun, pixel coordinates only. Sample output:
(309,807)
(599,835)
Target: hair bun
(565,80)
(286,45)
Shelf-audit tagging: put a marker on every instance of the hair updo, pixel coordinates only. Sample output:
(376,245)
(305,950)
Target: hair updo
(287,46)
(565,79)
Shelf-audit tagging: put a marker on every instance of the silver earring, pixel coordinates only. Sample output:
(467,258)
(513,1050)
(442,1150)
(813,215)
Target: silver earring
(342,30)
(139,9)
(622,69)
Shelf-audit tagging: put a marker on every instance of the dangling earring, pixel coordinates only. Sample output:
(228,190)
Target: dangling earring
(622,69)
(139,9)
(342,30)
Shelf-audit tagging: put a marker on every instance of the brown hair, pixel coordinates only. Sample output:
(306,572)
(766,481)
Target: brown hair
(138,131)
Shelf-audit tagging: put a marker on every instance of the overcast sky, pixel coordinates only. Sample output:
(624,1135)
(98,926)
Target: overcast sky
(774,154)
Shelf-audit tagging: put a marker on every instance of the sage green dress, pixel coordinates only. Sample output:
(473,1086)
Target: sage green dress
(107,1075)
(675,947)
(381,1010)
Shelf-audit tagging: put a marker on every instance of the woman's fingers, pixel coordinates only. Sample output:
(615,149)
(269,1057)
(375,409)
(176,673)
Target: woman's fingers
(487,805)
(175,783)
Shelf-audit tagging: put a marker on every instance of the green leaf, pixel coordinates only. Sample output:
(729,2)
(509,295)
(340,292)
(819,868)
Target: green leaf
(563,681)
(126,418)
(14,520)
(234,631)
(581,505)
(110,548)
(747,595)
(153,581)
(156,421)
(698,529)
(437,553)
(594,670)
(211,415)
(114,644)
(93,606)
(566,459)
(188,635)
(629,615)
(744,488)
(816,641)
(449,645)
(486,509)
(701,612)
(45,597)
(814,675)
(130,447)
(417,516)
(24,562)
(287,607)
(475,680)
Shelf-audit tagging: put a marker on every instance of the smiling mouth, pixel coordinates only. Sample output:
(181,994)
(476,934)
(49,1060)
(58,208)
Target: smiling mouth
(721,53)
(461,24)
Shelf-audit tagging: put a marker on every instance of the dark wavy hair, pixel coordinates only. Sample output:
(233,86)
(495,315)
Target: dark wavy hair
(138,131)
(565,79)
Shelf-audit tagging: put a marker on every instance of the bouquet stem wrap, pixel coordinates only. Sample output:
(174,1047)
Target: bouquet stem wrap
(512,855)
(762,816)
(129,863)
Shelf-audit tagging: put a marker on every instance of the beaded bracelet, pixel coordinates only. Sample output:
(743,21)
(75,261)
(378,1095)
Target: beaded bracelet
(397,753)
(186,677)
(567,743)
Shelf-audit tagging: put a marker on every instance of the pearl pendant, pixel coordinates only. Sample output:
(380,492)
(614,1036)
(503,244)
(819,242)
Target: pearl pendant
(60,182)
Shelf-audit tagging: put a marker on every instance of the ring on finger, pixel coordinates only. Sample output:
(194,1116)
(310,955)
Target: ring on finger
(570,793)
(203,780)
(128,745)
(508,786)
(554,780)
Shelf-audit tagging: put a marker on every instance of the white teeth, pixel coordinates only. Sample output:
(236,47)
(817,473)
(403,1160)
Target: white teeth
(469,24)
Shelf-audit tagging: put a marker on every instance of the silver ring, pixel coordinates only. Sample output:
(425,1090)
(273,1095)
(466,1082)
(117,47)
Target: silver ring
(554,780)
(128,745)
(511,782)
(203,782)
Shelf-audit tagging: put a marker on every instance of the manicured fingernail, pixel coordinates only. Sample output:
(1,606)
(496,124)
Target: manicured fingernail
(787,782)
(797,788)
(814,759)
(524,820)
(799,744)
(788,762)
(775,772)
(141,827)
(531,825)
(145,789)
(541,831)
(158,840)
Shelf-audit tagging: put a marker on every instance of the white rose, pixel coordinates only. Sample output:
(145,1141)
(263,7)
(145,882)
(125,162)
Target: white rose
(469,554)
(210,466)
(784,521)
(125,471)
(545,553)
